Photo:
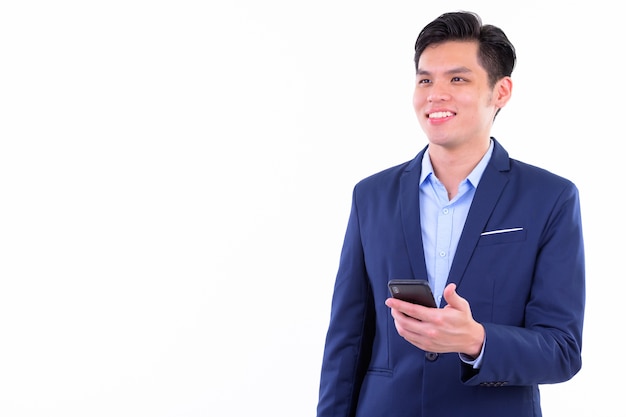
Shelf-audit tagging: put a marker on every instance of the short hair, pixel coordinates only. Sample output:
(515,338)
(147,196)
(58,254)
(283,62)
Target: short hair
(496,53)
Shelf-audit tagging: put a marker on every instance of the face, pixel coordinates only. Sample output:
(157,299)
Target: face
(453,100)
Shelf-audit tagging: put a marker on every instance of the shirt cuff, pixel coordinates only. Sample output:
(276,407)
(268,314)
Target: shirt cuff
(475,363)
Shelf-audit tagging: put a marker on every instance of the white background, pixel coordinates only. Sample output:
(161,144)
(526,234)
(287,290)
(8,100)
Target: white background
(175,181)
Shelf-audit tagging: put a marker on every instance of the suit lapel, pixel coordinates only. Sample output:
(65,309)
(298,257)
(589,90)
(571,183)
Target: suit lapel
(489,189)
(410,215)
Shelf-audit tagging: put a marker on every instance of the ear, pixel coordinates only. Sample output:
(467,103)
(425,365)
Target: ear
(502,91)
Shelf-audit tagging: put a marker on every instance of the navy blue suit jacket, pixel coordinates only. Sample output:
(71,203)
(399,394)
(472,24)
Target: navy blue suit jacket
(526,287)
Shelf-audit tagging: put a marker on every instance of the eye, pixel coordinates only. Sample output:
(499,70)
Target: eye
(424,81)
(457,79)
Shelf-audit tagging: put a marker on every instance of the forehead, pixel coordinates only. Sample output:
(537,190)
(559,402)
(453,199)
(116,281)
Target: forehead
(449,54)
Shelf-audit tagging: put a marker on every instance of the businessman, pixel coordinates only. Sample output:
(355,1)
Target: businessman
(499,241)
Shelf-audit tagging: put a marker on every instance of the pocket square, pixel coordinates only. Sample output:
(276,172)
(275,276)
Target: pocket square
(495,232)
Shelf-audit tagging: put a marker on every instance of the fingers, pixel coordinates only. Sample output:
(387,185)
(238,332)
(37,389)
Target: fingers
(415,311)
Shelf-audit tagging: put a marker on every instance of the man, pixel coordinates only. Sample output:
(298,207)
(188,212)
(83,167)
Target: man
(499,241)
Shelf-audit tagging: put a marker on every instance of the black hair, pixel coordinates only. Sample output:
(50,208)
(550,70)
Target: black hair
(496,53)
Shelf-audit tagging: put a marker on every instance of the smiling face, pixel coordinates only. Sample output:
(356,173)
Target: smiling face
(453,100)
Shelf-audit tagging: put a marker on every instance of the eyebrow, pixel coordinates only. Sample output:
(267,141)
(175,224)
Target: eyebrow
(456,70)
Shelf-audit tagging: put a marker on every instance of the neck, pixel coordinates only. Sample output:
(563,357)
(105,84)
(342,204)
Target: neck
(453,165)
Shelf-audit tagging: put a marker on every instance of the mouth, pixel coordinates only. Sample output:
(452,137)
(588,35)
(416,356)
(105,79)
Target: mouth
(439,115)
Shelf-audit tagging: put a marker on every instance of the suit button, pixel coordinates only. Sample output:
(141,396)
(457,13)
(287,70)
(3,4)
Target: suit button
(431,356)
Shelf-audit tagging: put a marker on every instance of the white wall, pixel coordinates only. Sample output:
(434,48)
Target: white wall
(175,180)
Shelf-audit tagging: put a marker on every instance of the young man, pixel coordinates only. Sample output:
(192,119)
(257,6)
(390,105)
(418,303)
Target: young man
(499,241)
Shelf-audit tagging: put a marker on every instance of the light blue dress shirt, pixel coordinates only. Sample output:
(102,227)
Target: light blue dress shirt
(442,222)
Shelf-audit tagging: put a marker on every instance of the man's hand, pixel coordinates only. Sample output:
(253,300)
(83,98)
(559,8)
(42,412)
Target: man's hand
(441,330)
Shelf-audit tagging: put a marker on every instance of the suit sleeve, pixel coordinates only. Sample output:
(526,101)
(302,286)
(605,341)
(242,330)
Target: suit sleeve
(547,348)
(348,340)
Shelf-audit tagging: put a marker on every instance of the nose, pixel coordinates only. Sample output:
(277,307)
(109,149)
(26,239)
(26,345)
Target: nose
(438,92)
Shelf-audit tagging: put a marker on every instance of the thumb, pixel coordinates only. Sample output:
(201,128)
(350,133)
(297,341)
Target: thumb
(453,299)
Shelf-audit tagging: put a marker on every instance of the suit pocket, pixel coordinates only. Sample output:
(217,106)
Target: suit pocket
(494,237)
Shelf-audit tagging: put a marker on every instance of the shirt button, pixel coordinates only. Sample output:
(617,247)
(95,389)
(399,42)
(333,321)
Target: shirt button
(442,254)
(445,211)
(431,356)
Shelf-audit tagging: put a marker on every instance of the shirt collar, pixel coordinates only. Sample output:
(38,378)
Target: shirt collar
(473,177)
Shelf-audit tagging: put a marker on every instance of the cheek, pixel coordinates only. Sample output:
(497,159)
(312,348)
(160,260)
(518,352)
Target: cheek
(418,101)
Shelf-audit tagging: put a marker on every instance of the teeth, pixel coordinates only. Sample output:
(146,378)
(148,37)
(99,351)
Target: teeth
(440,114)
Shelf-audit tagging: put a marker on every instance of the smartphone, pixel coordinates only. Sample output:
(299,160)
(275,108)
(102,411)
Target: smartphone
(415,291)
